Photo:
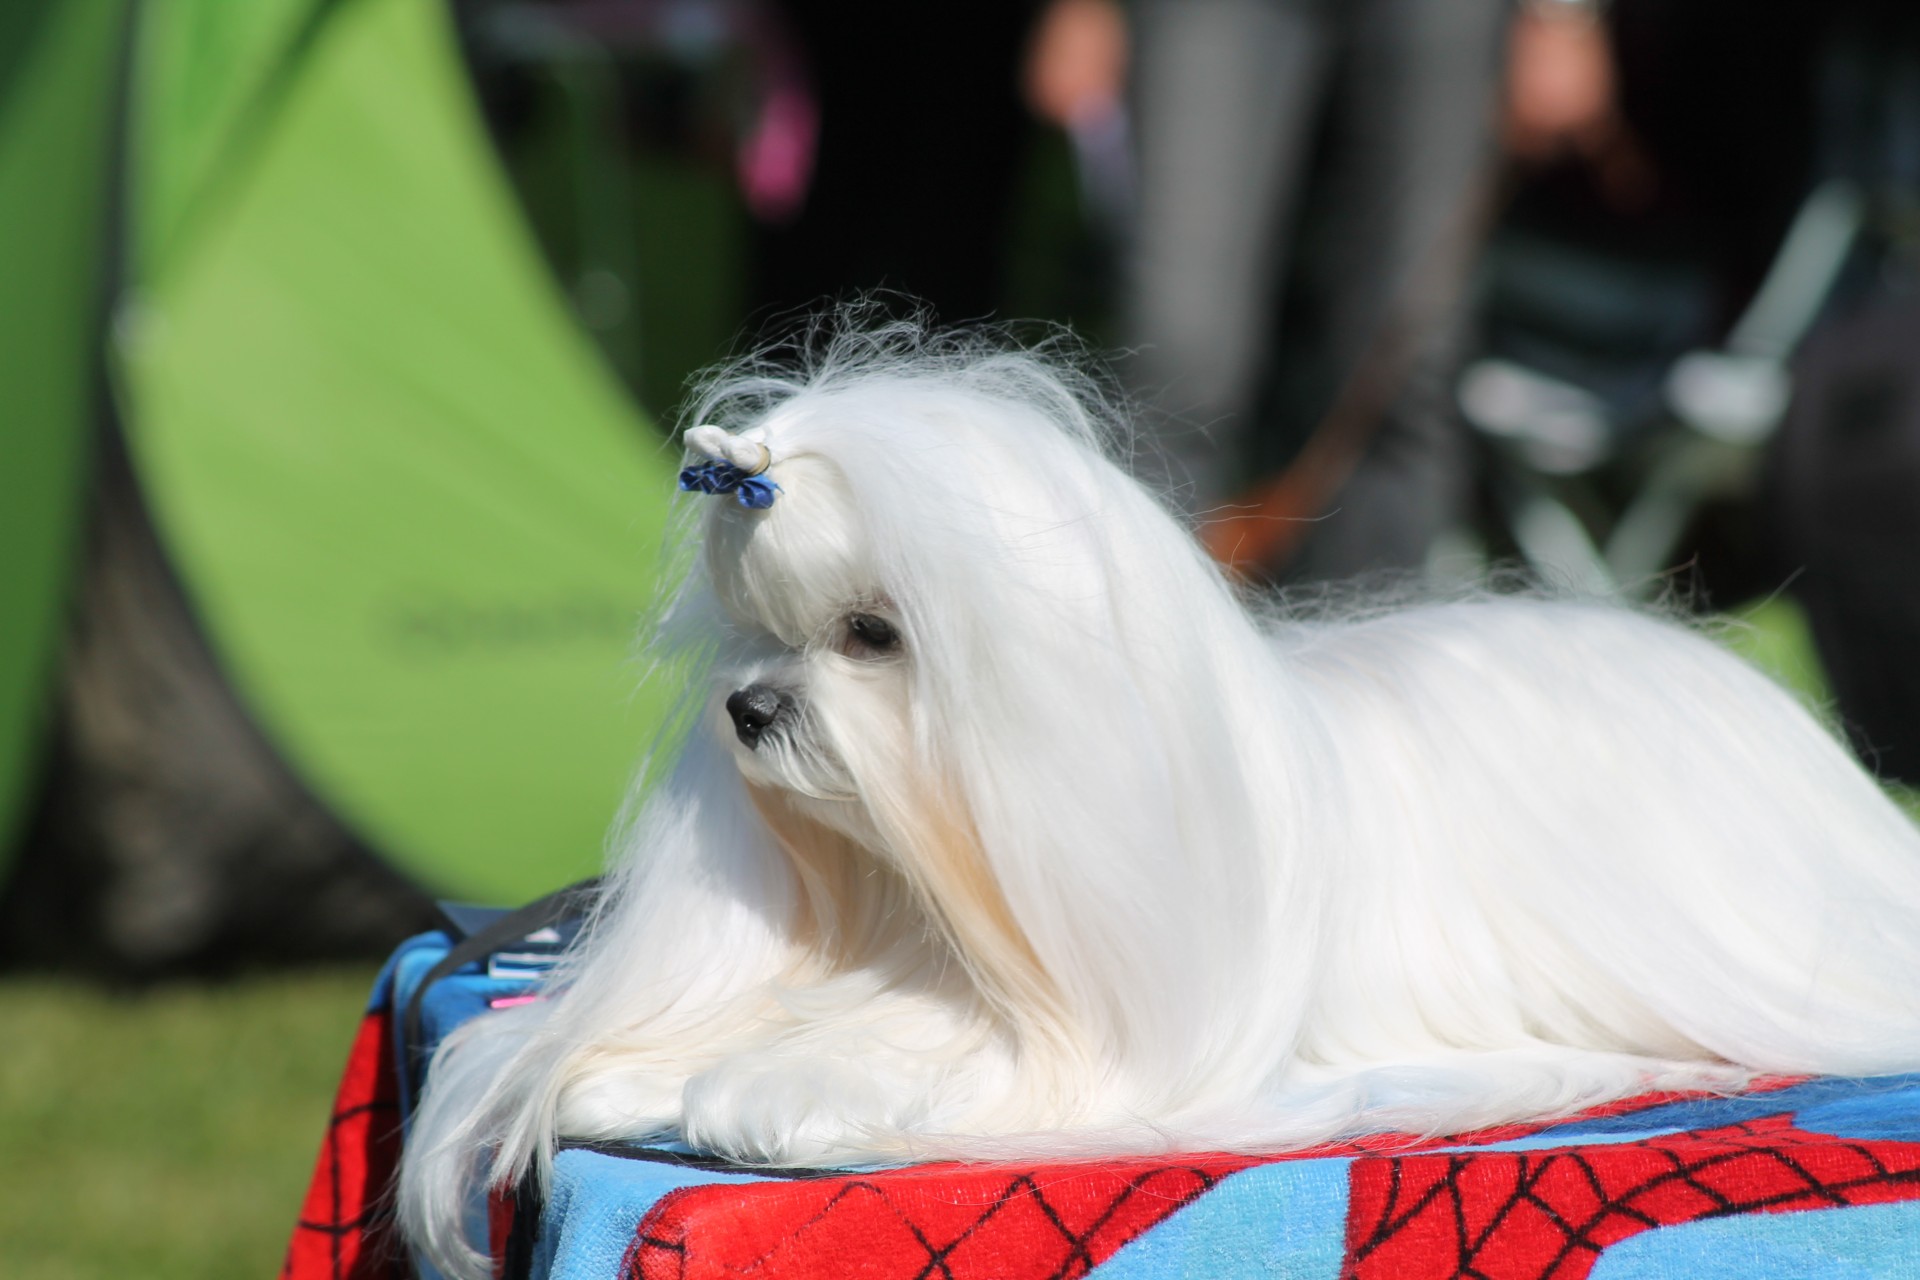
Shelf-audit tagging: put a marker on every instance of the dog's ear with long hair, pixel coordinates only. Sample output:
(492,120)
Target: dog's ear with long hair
(702,905)
(1097,701)
(697,913)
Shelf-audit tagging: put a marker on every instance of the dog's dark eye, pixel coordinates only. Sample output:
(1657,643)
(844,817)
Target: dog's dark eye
(872,634)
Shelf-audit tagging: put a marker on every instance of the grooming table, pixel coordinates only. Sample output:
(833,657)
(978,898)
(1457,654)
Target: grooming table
(1807,1178)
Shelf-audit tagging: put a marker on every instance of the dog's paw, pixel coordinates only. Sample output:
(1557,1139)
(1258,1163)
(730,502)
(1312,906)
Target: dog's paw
(784,1110)
(618,1105)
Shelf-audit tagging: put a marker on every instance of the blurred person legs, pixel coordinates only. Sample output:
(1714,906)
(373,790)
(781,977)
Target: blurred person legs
(1226,95)
(1233,97)
(1408,194)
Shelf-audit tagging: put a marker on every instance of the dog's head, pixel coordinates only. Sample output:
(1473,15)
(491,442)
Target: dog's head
(960,647)
(814,680)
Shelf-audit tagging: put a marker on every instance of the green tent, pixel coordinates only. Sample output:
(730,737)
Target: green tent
(57,69)
(416,515)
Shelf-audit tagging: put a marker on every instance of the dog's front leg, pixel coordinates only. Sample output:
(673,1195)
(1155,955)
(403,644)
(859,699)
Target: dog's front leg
(764,1108)
(826,1090)
(617,1097)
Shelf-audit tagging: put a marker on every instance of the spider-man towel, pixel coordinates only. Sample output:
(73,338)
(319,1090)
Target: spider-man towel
(1810,1178)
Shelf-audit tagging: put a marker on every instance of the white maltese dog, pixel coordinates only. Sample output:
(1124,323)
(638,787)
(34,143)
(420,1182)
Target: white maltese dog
(1008,829)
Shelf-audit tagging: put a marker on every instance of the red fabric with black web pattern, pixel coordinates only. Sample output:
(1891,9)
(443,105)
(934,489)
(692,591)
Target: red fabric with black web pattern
(947,1221)
(932,1221)
(344,1229)
(1547,1214)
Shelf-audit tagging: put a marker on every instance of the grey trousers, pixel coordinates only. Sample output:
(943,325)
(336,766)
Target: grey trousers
(1230,100)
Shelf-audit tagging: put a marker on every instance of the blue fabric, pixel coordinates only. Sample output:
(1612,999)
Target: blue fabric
(1874,1096)
(1880,1107)
(1880,1241)
(1892,1115)
(1285,1220)
(465,993)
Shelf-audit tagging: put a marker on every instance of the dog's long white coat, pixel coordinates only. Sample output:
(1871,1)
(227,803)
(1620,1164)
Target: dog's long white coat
(1100,860)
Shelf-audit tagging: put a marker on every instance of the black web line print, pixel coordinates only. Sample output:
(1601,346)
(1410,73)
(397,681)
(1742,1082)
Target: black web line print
(1732,1143)
(374,1213)
(1078,1262)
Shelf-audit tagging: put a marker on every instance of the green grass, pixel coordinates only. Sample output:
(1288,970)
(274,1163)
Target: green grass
(168,1135)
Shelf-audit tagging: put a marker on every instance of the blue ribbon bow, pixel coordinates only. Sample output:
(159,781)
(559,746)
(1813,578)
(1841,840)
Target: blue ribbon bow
(723,477)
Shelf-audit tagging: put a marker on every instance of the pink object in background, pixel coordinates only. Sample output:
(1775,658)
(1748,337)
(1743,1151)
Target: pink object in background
(774,163)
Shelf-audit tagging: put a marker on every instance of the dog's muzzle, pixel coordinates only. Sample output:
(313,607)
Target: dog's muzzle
(754,710)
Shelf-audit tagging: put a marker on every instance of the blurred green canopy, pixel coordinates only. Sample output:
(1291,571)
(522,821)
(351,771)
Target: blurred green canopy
(415,514)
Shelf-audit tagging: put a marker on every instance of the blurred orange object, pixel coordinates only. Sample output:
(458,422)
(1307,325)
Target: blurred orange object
(1076,64)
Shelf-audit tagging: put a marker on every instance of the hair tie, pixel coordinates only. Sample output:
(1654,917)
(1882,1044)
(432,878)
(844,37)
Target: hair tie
(736,467)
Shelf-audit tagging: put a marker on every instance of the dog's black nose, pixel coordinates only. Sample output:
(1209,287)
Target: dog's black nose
(753,709)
